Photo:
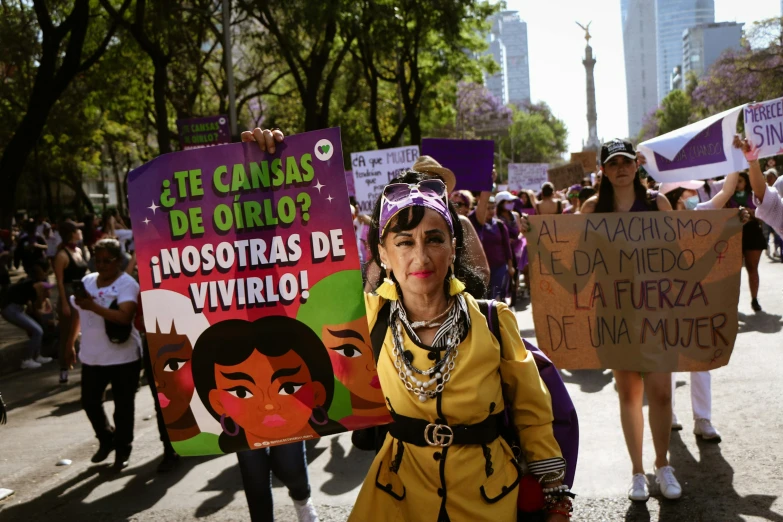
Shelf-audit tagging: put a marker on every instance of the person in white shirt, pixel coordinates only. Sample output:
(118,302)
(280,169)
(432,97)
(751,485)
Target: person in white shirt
(683,195)
(110,349)
(768,200)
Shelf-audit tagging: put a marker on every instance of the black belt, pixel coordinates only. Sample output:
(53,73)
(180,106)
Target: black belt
(420,432)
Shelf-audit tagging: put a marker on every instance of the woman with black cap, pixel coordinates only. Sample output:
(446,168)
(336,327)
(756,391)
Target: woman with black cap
(621,190)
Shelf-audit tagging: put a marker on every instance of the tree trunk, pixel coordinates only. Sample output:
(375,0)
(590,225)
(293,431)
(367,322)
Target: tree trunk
(159,86)
(81,195)
(115,168)
(49,199)
(50,82)
(19,147)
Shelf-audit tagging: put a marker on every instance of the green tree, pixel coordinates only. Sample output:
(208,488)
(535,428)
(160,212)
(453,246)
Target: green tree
(70,37)
(675,112)
(535,136)
(313,40)
(412,46)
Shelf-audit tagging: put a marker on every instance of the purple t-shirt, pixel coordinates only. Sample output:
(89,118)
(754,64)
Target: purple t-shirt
(494,238)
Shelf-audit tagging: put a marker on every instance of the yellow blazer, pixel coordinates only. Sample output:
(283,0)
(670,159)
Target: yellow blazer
(458,480)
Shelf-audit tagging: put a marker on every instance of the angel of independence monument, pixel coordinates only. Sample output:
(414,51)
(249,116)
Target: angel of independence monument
(593,144)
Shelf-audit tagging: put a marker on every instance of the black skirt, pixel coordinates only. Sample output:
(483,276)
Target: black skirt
(752,236)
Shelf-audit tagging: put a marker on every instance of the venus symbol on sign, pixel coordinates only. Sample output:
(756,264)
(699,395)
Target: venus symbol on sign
(546,286)
(721,247)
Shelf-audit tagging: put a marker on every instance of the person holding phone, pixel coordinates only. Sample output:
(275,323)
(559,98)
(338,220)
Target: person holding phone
(104,304)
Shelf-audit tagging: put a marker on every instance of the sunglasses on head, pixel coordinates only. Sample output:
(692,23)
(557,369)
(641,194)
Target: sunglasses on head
(429,187)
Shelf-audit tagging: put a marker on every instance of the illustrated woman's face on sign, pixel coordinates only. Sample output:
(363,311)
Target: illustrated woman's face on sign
(171,354)
(352,358)
(269,397)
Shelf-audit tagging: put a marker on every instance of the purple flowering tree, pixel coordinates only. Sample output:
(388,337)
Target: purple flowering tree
(650,127)
(477,109)
(752,73)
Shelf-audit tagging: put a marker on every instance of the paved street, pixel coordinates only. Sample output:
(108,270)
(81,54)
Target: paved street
(739,479)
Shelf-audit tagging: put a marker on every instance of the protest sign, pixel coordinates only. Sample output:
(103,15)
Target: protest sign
(373,169)
(252,294)
(471,161)
(647,291)
(527,176)
(350,185)
(566,175)
(587,159)
(195,133)
(764,126)
(702,150)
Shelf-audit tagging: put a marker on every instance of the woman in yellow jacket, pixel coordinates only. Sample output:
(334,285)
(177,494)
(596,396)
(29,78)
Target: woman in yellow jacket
(443,373)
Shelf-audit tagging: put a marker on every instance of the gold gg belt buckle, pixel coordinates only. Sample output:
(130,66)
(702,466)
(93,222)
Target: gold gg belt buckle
(438,435)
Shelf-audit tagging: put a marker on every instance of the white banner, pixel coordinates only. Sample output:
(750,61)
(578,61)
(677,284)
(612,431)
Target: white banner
(702,150)
(527,176)
(373,169)
(764,126)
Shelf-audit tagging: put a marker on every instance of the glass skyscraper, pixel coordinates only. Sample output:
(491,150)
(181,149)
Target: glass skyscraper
(639,47)
(672,17)
(508,46)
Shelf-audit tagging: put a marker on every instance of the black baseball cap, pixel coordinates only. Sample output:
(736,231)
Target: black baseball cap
(617,147)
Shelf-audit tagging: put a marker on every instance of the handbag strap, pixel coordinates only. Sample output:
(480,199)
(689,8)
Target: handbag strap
(378,333)
(488,308)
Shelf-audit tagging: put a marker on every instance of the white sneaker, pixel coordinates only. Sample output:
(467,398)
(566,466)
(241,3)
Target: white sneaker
(666,480)
(305,511)
(43,360)
(703,428)
(639,490)
(5,493)
(29,364)
(676,424)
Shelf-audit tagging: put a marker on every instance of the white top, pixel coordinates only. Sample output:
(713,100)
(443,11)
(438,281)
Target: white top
(771,211)
(778,185)
(715,187)
(706,205)
(96,348)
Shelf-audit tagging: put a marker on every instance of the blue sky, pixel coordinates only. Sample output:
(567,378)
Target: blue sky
(556,47)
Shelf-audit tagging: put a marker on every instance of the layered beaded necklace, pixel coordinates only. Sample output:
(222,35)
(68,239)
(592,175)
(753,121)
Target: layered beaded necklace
(418,381)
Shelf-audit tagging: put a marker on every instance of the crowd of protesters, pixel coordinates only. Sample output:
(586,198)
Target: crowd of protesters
(499,221)
(96,298)
(497,217)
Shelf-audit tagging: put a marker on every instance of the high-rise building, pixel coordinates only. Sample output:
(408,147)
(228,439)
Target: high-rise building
(672,17)
(508,46)
(639,37)
(703,44)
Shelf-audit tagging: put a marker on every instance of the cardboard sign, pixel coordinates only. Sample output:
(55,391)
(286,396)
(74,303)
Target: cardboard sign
(470,160)
(702,150)
(764,126)
(567,175)
(252,294)
(587,159)
(373,169)
(646,291)
(196,133)
(527,176)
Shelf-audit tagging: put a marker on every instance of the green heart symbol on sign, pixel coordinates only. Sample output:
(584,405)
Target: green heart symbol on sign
(324,149)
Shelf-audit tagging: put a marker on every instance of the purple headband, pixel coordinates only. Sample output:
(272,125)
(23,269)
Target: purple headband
(429,193)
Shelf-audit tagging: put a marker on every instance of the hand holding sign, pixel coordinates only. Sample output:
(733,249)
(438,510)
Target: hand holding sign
(266,138)
(237,241)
